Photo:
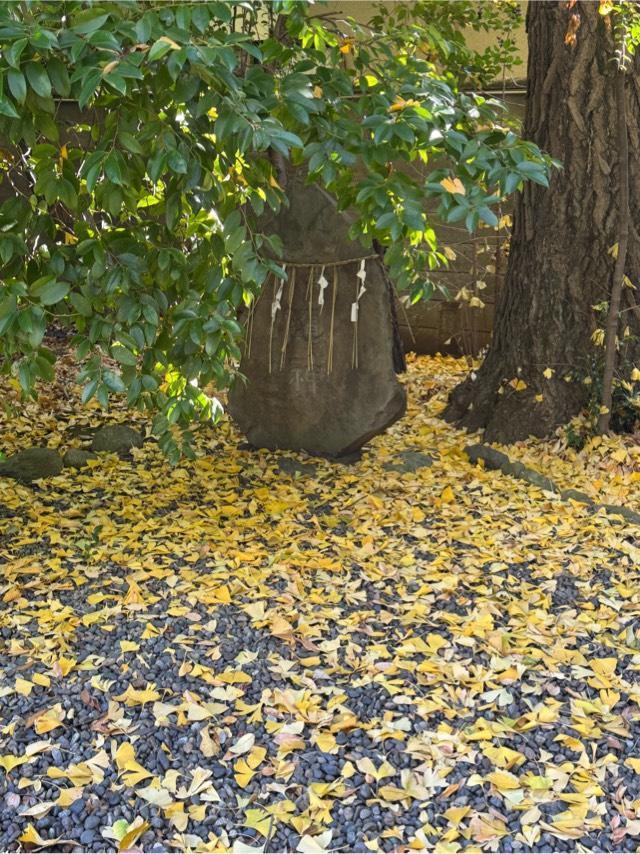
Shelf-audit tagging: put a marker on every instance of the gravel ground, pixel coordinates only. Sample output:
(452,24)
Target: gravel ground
(239,653)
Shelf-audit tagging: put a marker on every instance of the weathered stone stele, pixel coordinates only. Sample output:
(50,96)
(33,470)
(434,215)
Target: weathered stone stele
(311,386)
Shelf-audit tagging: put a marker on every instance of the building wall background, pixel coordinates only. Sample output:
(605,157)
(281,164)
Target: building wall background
(462,325)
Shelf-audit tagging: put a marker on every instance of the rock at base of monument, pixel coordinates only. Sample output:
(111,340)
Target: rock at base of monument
(347,459)
(116,438)
(77,458)
(332,438)
(32,464)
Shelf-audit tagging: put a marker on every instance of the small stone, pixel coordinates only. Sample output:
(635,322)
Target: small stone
(288,465)
(162,760)
(116,438)
(409,461)
(93,821)
(87,837)
(77,458)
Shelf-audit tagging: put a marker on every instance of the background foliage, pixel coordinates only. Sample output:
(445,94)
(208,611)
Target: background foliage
(140,142)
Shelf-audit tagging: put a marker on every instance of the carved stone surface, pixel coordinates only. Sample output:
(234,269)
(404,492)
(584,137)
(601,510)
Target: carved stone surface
(317,380)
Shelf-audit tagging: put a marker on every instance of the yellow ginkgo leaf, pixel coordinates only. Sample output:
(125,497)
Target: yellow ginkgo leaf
(32,837)
(69,796)
(243,773)
(131,771)
(62,666)
(24,687)
(129,646)
(138,696)
(503,780)
(243,744)
(50,719)
(447,496)
(134,831)
(392,793)
(453,185)
(326,742)
(9,761)
(260,820)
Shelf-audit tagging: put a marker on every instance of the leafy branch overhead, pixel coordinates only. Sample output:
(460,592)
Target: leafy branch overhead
(138,143)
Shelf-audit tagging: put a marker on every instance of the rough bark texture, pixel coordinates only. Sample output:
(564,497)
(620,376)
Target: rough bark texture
(559,266)
(613,319)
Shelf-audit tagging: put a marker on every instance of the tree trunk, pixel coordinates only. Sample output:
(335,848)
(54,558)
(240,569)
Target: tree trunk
(536,375)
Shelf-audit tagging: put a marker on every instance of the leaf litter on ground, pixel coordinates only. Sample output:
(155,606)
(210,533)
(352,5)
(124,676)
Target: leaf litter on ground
(226,656)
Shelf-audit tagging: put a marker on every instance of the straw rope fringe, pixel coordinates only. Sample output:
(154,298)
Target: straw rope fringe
(276,306)
(333,316)
(248,340)
(331,263)
(310,321)
(283,351)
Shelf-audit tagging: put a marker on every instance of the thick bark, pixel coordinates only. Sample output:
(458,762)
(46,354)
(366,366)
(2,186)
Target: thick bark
(559,266)
(613,319)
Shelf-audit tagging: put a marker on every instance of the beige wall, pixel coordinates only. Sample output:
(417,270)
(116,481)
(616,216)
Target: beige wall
(363,10)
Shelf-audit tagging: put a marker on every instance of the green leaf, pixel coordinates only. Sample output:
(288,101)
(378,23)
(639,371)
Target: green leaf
(488,216)
(7,109)
(113,382)
(235,239)
(200,17)
(512,182)
(112,168)
(38,79)
(44,39)
(81,304)
(159,48)
(90,25)
(17,85)
(13,53)
(123,355)
(176,162)
(59,77)
(89,86)
(130,142)
(89,390)
(50,291)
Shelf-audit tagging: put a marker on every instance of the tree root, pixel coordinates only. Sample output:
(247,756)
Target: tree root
(497,461)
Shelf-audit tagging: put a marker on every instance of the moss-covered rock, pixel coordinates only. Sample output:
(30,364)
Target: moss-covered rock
(32,464)
(116,438)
